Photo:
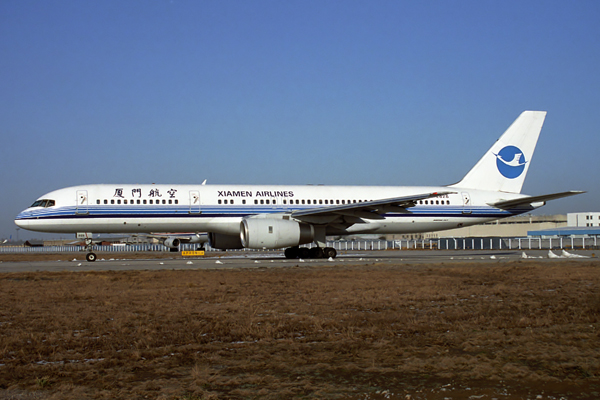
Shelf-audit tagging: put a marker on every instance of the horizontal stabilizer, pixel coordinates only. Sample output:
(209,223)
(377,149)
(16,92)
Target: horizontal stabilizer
(508,204)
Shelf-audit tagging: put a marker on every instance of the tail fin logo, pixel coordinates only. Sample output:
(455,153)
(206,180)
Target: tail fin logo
(510,162)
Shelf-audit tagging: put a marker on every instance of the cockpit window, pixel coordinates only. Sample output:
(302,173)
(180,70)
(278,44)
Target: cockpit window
(44,203)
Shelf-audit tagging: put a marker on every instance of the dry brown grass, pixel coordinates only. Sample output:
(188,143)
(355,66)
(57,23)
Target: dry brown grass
(514,329)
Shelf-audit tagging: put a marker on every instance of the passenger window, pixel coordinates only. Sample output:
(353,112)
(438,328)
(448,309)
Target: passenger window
(262,201)
(138,201)
(219,201)
(105,201)
(144,201)
(307,201)
(176,201)
(98,201)
(244,201)
(302,201)
(170,201)
(255,201)
(267,201)
(274,201)
(231,201)
(320,201)
(124,201)
(112,201)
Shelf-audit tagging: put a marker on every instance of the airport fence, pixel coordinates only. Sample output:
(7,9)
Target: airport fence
(495,243)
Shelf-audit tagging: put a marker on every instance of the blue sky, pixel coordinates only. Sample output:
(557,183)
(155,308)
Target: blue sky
(275,92)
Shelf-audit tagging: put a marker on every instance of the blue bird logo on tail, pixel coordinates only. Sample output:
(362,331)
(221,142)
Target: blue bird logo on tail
(510,162)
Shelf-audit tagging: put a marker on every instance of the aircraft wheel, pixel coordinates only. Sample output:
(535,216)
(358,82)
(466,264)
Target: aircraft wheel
(330,252)
(91,257)
(291,252)
(303,253)
(316,252)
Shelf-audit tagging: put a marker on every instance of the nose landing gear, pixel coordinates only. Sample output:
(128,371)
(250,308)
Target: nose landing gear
(90,256)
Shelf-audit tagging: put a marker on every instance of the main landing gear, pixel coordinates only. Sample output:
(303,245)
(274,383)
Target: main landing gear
(305,253)
(320,251)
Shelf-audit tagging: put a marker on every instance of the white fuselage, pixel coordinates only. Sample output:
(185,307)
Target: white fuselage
(127,208)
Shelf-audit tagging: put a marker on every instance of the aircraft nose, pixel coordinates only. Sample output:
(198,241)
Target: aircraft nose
(20,220)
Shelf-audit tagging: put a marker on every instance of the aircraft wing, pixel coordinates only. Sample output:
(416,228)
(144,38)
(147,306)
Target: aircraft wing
(508,204)
(364,210)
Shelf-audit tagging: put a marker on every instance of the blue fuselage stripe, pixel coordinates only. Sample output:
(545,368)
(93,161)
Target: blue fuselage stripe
(214,212)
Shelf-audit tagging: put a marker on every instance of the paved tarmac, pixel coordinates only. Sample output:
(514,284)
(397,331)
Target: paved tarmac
(76,262)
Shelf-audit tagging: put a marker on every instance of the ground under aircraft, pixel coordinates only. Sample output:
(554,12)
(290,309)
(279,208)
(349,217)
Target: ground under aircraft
(286,216)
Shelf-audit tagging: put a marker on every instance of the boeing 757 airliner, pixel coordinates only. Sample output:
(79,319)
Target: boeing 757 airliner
(274,217)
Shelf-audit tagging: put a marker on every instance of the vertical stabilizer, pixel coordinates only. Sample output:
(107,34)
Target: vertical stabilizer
(504,167)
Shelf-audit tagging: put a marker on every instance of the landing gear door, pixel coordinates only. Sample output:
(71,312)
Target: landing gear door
(82,202)
(466,203)
(194,202)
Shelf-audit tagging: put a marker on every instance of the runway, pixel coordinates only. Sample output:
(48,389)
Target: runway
(120,262)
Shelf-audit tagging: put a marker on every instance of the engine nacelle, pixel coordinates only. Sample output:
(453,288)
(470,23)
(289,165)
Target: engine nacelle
(224,242)
(269,233)
(172,242)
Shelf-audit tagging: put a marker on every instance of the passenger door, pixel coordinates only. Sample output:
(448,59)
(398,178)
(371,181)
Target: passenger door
(82,202)
(194,202)
(466,203)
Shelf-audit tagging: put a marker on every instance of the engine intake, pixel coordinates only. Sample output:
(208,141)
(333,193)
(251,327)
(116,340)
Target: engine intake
(172,242)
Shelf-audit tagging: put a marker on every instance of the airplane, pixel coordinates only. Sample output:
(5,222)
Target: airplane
(288,216)
(170,240)
(173,240)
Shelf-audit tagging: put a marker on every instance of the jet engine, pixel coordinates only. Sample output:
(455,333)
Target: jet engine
(172,242)
(269,233)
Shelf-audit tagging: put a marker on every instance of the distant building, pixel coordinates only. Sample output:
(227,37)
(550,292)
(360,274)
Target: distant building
(508,227)
(587,219)
(578,224)
(34,243)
